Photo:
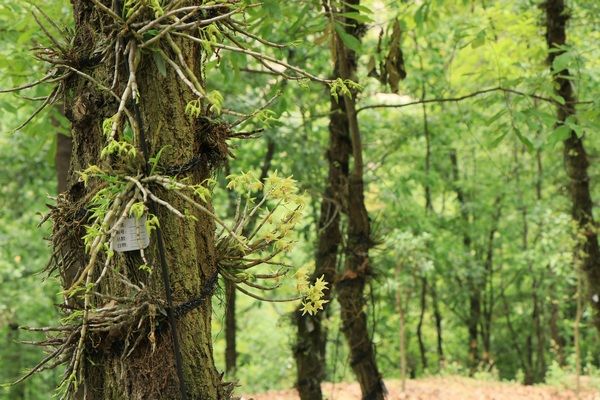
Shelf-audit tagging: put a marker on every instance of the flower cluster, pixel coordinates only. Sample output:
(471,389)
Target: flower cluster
(313,293)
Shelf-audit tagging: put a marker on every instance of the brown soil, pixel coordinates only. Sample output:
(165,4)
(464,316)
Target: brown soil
(446,388)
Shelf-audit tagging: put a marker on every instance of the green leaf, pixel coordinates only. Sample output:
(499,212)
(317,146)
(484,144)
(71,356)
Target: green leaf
(349,41)
(557,98)
(160,63)
(359,7)
(149,34)
(496,116)
(421,14)
(571,122)
(494,143)
(559,134)
(524,140)
(562,61)
(479,40)
(362,18)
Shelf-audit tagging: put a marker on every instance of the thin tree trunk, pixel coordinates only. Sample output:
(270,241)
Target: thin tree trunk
(401,307)
(149,371)
(351,284)
(429,208)
(230,301)
(428,211)
(474,292)
(230,328)
(538,309)
(312,335)
(423,306)
(577,333)
(472,328)
(575,158)
(558,341)
(540,365)
(489,300)
(438,325)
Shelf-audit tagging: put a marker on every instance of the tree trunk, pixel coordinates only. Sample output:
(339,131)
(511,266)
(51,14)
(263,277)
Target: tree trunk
(575,157)
(351,283)
(312,335)
(540,336)
(423,306)
(230,328)
(557,340)
(149,371)
(428,211)
(438,326)
(472,328)
(473,290)
(489,295)
(62,161)
(401,298)
(230,300)
(577,333)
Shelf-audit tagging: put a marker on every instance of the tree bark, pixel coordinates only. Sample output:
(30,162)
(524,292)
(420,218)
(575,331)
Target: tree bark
(401,298)
(575,157)
(351,283)
(428,212)
(230,328)
(312,335)
(62,161)
(149,371)
(423,306)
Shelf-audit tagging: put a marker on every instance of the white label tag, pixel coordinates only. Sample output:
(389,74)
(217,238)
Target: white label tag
(131,235)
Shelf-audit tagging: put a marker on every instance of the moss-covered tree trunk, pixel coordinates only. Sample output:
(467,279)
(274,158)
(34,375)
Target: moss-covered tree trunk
(149,371)
(357,264)
(230,328)
(575,157)
(312,335)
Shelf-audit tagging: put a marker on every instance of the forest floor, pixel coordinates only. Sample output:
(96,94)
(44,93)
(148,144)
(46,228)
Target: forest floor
(445,388)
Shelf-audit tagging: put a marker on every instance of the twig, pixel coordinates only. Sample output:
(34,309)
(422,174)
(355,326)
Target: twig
(233,26)
(28,85)
(258,56)
(467,96)
(252,114)
(257,297)
(48,34)
(180,73)
(49,99)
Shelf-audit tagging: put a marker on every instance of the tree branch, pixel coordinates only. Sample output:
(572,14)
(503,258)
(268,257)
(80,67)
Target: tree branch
(467,96)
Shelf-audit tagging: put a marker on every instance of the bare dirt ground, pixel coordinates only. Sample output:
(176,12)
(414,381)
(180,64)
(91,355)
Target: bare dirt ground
(446,388)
